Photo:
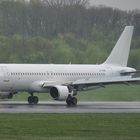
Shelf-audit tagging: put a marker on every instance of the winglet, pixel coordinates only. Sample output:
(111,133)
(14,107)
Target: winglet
(120,53)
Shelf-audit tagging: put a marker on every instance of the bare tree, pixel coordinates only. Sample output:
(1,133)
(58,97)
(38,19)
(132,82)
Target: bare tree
(61,3)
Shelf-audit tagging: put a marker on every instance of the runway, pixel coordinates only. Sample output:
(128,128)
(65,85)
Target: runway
(61,107)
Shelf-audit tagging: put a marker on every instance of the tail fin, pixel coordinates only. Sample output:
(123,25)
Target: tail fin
(120,53)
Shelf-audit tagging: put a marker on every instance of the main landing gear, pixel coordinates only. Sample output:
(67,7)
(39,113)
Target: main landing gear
(71,101)
(33,99)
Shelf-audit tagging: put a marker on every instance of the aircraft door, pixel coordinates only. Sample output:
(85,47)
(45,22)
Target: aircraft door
(5,74)
(5,79)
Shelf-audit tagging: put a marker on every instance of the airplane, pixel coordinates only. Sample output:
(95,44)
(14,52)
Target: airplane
(63,81)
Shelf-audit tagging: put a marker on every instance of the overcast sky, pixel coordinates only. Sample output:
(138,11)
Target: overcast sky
(121,4)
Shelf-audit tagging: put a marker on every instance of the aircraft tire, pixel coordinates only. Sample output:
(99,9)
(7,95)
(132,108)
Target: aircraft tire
(69,102)
(35,99)
(30,100)
(74,101)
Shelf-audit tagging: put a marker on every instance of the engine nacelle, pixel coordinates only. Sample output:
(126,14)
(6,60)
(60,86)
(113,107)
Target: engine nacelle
(60,92)
(6,95)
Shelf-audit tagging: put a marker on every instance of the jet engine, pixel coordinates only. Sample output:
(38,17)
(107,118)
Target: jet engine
(60,92)
(4,95)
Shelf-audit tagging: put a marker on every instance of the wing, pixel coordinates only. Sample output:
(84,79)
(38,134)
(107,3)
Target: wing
(101,82)
(90,83)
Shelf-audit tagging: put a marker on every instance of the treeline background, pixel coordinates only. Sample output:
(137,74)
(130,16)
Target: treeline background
(63,31)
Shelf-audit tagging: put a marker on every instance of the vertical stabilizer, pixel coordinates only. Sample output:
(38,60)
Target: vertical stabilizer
(120,53)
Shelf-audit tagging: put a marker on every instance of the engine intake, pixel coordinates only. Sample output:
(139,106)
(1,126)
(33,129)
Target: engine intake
(60,92)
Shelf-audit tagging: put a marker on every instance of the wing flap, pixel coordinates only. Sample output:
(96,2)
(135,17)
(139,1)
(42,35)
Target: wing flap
(118,79)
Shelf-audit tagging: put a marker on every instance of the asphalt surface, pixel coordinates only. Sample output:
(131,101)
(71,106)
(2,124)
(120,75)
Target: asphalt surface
(61,107)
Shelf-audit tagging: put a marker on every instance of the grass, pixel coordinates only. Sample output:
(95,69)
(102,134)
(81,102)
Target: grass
(70,126)
(110,93)
(76,126)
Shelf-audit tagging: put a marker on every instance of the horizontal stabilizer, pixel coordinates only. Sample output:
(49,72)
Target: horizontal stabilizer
(132,72)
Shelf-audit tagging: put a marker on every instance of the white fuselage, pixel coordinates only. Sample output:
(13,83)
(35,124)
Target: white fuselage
(63,81)
(26,77)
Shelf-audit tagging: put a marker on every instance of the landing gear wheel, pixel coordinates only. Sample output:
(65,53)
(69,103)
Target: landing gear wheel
(68,101)
(30,100)
(33,100)
(71,101)
(74,101)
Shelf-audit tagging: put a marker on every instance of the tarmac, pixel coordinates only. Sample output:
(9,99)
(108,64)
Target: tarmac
(61,107)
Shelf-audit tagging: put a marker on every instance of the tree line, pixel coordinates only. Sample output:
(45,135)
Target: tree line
(49,18)
(63,31)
